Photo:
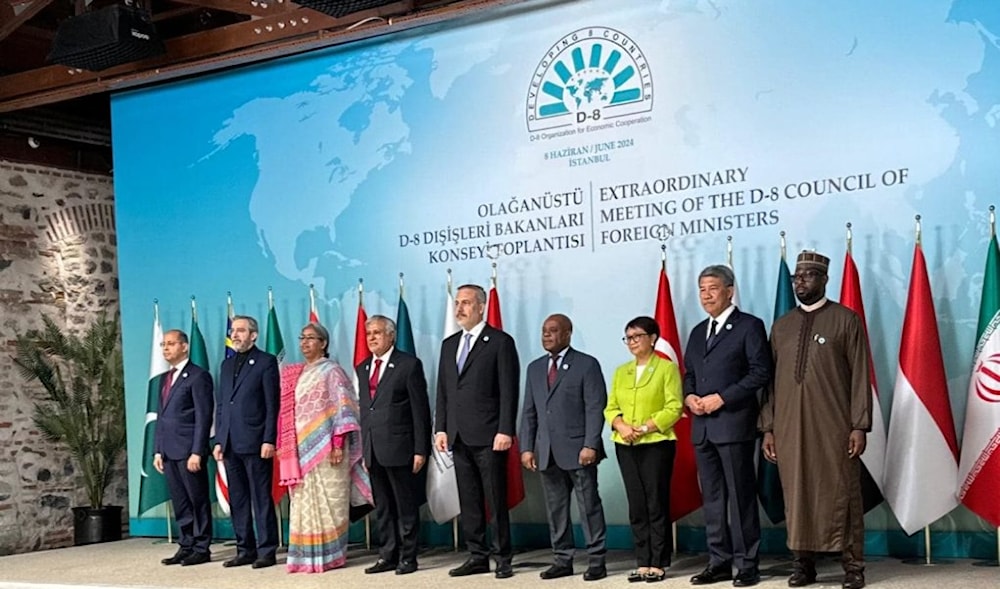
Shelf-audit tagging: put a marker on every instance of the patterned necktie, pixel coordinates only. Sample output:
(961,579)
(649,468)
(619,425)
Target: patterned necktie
(168,380)
(711,335)
(553,370)
(465,352)
(373,381)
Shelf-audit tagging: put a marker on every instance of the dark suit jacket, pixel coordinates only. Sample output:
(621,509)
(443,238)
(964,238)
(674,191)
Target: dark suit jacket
(397,423)
(482,401)
(737,366)
(183,423)
(564,420)
(247,410)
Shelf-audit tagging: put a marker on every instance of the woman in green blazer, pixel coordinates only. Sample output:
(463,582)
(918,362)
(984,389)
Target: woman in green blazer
(643,404)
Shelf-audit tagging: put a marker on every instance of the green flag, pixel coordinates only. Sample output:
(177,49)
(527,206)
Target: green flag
(198,355)
(273,343)
(404,332)
(768,483)
(152,484)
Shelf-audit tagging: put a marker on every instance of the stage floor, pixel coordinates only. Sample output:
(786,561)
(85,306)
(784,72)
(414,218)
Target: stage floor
(136,563)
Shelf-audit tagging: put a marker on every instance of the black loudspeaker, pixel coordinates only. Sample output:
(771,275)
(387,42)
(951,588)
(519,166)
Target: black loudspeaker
(105,38)
(339,8)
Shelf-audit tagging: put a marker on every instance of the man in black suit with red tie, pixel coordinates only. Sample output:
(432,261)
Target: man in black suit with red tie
(181,447)
(396,440)
(476,413)
(246,429)
(727,362)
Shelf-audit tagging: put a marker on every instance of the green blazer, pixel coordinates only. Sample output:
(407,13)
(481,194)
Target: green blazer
(657,395)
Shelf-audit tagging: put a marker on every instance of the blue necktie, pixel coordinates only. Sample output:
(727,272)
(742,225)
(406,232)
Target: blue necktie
(711,335)
(465,353)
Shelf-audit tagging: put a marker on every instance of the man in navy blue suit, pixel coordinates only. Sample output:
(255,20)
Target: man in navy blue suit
(181,446)
(728,361)
(561,426)
(246,424)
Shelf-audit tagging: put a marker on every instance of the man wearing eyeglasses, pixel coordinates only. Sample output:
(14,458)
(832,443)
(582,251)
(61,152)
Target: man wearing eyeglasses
(814,420)
(728,362)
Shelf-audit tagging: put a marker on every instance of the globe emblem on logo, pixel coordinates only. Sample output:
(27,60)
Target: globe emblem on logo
(987,375)
(590,75)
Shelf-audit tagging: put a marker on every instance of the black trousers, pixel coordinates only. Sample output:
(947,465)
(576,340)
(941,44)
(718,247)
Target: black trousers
(482,483)
(396,491)
(646,471)
(249,502)
(729,490)
(192,509)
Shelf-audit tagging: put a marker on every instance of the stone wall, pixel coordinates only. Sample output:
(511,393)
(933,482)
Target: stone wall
(58,257)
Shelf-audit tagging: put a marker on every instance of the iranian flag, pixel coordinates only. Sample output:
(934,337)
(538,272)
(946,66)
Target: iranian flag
(979,471)
(685,495)
(921,463)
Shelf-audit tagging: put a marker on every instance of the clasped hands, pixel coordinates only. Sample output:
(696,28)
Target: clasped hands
(704,405)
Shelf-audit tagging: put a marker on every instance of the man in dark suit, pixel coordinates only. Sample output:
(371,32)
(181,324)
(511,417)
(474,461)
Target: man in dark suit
(246,424)
(561,425)
(181,445)
(396,440)
(476,413)
(728,361)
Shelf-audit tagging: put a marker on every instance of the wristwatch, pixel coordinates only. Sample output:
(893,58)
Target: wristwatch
(644,429)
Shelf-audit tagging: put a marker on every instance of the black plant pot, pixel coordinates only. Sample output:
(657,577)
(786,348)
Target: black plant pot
(91,526)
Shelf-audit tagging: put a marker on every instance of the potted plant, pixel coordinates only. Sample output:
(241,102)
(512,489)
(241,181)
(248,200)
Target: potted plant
(83,407)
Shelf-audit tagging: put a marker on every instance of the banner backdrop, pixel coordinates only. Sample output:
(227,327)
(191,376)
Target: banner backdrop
(566,142)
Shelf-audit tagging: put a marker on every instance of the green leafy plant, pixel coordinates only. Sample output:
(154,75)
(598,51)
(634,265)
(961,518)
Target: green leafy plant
(83,406)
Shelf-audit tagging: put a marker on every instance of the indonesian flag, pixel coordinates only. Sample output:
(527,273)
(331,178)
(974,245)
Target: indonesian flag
(515,478)
(685,496)
(921,461)
(873,460)
(979,471)
(442,486)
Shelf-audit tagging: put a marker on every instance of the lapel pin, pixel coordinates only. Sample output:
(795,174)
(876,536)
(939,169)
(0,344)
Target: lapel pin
(251,362)
(486,338)
(184,375)
(565,366)
(391,365)
(821,340)
(729,326)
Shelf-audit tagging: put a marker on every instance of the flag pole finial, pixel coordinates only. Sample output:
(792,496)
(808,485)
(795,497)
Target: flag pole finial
(729,250)
(919,235)
(270,297)
(783,247)
(400,285)
(663,257)
(194,310)
(993,221)
(850,238)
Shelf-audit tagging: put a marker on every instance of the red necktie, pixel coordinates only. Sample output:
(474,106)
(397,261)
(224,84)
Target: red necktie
(168,380)
(373,381)
(553,370)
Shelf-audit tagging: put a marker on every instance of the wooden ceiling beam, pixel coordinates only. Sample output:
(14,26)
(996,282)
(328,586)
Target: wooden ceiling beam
(229,46)
(14,15)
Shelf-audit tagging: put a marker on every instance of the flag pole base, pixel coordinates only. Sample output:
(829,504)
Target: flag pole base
(986,563)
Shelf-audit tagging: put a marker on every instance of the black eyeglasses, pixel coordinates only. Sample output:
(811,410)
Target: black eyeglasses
(806,276)
(308,337)
(631,339)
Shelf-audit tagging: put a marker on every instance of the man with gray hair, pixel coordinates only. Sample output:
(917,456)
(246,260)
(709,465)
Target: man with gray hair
(246,429)
(395,434)
(727,363)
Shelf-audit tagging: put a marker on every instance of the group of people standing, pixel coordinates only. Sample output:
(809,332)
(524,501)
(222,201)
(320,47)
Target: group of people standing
(338,453)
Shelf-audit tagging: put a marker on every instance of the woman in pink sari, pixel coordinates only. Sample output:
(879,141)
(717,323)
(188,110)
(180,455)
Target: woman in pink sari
(319,454)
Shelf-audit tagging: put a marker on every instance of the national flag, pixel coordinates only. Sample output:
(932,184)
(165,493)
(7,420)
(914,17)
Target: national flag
(442,486)
(769,492)
(921,463)
(685,495)
(515,477)
(979,471)
(404,330)
(198,355)
(153,485)
(873,459)
(360,339)
(274,344)
(221,478)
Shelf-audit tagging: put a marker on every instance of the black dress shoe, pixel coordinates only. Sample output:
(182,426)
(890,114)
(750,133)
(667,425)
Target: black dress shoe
(264,562)
(595,573)
(505,571)
(854,580)
(381,566)
(177,558)
(655,576)
(196,558)
(240,560)
(801,578)
(470,567)
(634,576)
(557,571)
(713,574)
(747,578)
(406,567)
